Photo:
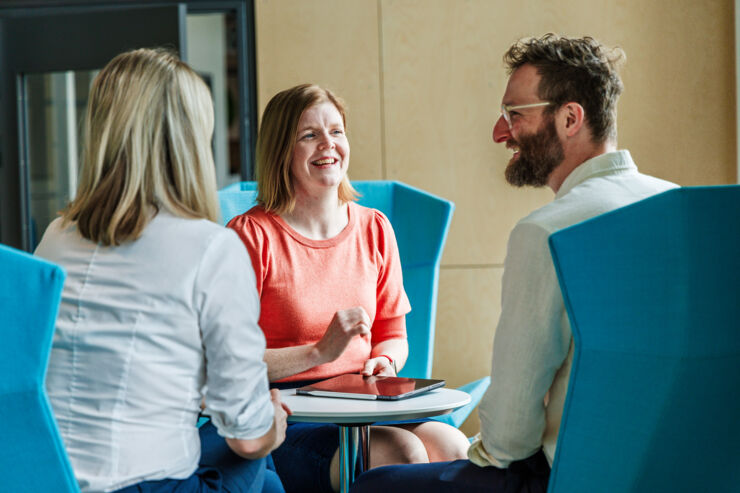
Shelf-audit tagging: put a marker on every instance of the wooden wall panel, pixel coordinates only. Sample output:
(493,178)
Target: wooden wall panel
(333,44)
(424,78)
(468,309)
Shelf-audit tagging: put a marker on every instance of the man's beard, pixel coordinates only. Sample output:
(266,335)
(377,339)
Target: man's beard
(539,154)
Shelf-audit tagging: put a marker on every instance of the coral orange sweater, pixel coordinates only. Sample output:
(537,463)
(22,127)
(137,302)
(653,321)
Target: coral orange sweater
(303,282)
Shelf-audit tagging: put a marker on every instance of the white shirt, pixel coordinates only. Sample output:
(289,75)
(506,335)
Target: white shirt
(533,346)
(142,328)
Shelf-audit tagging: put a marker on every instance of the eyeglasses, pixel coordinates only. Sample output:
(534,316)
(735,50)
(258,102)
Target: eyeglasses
(506,109)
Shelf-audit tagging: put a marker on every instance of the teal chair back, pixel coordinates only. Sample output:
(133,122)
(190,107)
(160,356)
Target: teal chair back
(32,455)
(237,199)
(420,221)
(654,395)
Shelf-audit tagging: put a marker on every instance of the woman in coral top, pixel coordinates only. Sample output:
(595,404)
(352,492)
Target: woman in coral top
(330,285)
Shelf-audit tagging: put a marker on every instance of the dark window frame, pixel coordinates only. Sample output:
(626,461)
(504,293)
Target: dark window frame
(15,186)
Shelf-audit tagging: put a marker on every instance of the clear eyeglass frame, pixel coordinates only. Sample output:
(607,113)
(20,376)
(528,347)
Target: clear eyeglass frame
(505,109)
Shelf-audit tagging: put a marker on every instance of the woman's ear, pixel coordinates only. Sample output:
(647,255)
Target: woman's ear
(574,116)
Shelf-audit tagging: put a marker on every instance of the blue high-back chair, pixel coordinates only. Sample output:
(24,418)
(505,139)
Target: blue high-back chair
(32,455)
(420,221)
(652,292)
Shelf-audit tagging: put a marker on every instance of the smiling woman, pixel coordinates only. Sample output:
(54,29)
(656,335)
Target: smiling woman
(321,153)
(278,137)
(330,285)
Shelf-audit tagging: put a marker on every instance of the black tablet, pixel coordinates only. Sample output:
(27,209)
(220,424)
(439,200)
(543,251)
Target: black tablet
(356,386)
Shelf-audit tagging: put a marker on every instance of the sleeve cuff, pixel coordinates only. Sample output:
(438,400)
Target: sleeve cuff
(479,456)
(251,424)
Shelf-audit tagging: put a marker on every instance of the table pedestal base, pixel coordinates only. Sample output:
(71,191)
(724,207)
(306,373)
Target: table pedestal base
(354,444)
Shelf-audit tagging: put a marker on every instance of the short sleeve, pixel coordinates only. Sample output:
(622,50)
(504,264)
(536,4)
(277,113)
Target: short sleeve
(253,238)
(392,301)
(237,396)
(391,328)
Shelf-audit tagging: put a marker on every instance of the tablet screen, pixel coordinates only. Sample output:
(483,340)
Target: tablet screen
(354,385)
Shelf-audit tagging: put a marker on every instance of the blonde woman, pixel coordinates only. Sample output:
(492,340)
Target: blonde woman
(330,285)
(149,317)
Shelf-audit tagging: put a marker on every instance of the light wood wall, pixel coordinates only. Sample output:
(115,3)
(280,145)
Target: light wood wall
(423,81)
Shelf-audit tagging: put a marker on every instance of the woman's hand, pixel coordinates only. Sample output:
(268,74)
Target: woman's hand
(380,362)
(380,366)
(256,448)
(282,411)
(345,325)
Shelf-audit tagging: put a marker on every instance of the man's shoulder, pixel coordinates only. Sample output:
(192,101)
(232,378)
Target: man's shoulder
(595,196)
(554,215)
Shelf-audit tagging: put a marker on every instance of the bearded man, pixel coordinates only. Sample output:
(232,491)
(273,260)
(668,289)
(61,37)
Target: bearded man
(559,118)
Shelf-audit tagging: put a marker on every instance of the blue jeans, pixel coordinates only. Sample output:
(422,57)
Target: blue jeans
(303,460)
(529,475)
(220,471)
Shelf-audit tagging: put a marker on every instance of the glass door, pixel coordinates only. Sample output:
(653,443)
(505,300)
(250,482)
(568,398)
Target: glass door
(49,55)
(48,60)
(55,105)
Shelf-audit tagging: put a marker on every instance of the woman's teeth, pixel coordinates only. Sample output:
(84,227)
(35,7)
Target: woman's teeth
(324,161)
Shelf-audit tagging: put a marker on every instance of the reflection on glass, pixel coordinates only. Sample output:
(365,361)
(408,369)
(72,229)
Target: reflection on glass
(211,45)
(55,105)
(55,108)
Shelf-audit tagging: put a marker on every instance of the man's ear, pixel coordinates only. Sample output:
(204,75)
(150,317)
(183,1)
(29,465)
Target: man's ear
(574,118)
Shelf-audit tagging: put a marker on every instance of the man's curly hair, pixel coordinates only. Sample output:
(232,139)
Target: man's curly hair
(579,70)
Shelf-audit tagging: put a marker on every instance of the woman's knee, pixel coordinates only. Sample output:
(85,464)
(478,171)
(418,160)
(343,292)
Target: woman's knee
(442,441)
(390,445)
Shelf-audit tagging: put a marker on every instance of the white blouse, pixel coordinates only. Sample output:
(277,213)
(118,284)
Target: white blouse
(143,330)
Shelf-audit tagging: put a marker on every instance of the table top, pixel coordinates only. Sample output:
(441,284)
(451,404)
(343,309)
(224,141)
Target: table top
(308,408)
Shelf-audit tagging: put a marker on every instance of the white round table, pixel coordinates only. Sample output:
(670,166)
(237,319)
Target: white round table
(354,417)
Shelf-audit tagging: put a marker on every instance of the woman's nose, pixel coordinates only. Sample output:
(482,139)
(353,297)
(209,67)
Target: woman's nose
(501,130)
(325,141)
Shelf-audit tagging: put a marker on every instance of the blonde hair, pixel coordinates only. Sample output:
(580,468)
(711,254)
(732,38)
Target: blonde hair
(147,146)
(276,141)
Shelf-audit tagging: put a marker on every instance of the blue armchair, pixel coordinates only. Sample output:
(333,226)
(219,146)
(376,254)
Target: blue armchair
(420,221)
(32,455)
(652,294)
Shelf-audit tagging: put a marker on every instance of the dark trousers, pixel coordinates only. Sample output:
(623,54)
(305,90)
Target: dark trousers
(525,476)
(303,460)
(220,471)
